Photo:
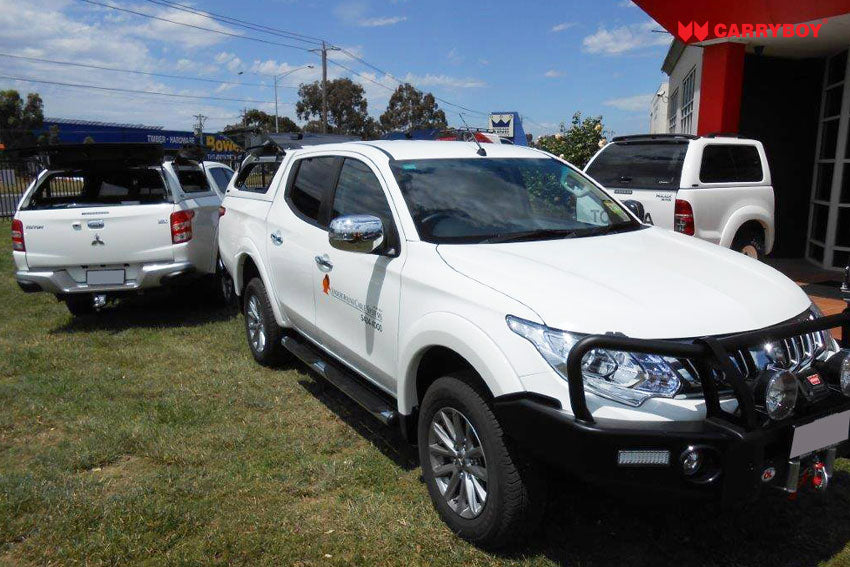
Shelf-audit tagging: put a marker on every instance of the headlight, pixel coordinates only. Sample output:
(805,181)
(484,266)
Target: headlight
(627,377)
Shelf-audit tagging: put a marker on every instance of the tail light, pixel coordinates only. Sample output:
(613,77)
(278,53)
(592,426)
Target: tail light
(181,226)
(482,138)
(684,218)
(18,236)
(221,211)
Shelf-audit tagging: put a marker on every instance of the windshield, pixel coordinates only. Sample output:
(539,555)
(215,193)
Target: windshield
(639,165)
(99,187)
(501,199)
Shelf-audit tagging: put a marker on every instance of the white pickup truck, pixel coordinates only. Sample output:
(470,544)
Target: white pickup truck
(503,309)
(717,188)
(107,219)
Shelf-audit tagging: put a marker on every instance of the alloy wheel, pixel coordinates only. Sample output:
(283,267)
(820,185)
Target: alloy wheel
(256,327)
(457,462)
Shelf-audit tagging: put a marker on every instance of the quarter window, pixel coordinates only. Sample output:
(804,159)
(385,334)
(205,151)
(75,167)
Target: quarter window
(724,163)
(312,185)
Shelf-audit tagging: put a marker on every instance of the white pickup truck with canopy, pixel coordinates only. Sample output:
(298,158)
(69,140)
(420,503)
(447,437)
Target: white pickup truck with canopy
(106,219)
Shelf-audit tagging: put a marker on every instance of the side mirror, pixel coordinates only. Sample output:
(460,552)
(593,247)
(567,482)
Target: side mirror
(636,207)
(356,233)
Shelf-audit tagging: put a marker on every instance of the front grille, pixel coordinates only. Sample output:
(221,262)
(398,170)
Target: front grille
(796,354)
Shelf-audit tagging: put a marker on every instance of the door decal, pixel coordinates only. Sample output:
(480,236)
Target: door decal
(326,284)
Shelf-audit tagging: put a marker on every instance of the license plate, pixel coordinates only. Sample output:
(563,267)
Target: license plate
(820,434)
(104,277)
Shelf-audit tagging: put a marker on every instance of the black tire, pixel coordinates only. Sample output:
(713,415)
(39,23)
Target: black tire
(79,304)
(257,310)
(514,488)
(750,242)
(225,291)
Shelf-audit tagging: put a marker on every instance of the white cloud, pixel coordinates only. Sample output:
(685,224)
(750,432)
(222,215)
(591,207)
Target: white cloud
(380,22)
(636,103)
(626,4)
(622,39)
(429,80)
(553,73)
(563,26)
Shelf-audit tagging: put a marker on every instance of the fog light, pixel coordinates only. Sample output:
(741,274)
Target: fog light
(691,461)
(780,394)
(643,458)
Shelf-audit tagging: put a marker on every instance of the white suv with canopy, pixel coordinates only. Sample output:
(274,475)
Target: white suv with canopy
(502,308)
(107,219)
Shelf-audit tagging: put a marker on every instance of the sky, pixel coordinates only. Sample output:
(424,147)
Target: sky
(544,60)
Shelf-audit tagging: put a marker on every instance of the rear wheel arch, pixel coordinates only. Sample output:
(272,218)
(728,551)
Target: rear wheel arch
(751,238)
(248,268)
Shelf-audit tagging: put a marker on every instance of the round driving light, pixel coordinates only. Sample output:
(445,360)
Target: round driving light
(780,394)
(691,461)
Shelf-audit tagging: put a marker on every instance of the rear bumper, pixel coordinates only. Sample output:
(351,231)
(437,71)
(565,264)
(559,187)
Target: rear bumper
(59,281)
(736,458)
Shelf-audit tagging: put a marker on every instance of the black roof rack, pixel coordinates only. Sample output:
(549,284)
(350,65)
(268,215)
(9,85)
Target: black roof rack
(654,138)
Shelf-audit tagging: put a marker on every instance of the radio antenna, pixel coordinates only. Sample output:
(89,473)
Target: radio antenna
(481,151)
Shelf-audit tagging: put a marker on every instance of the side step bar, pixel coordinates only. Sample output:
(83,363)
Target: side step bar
(347,382)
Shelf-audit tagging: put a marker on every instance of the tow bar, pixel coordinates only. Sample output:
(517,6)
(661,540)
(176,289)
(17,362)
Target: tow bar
(816,474)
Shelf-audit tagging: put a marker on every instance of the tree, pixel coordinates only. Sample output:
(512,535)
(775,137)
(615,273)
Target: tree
(347,107)
(410,108)
(579,142)
(255,119)
(18,119)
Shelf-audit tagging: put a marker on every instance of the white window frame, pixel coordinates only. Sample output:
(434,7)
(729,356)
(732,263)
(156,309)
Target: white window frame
(688,90)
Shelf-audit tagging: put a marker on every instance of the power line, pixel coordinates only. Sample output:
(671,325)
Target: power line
(237,22)
(132,91)
(349,69)
(269,30)
(193,26)
(149,74)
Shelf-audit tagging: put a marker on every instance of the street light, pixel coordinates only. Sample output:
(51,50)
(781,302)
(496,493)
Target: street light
(276,78)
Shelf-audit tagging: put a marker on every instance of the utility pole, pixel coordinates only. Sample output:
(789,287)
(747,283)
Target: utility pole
(324,50)
(199,127)
(324,88)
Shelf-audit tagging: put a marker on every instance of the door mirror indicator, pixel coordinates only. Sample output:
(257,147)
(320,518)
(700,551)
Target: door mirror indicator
(356,233)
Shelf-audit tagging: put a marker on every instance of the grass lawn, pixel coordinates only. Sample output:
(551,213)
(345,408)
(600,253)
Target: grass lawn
(146,435)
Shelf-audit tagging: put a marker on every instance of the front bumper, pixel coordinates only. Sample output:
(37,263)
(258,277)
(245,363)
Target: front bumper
(59,281)
(743,450)
(591,450)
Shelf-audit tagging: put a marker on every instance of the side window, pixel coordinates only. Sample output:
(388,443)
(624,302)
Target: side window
(359,192)
(723,163)
(222,177)
(192,180)
(312,184)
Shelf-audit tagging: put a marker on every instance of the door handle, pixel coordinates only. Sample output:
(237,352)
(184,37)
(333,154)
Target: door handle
(276,237)
(324,263)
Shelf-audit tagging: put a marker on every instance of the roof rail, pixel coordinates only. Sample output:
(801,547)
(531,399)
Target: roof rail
(654,137)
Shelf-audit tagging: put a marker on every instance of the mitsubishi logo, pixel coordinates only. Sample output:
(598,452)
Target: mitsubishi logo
(97,241)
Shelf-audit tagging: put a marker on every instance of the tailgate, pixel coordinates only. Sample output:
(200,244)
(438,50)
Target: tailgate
(659,204)
(97,235)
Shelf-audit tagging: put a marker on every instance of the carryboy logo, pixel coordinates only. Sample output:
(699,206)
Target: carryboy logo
(700,31)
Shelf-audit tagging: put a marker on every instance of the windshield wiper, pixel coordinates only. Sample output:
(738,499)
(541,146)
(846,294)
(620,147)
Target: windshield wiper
(530,235)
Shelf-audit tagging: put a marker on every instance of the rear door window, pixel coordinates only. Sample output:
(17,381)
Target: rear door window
(640,165)
(93,188)
(192,180)
(312,185)
(222,176)
(729,163)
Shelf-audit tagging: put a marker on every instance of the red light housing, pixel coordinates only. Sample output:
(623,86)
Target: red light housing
(683,219)
(18,236)
(181,226)
(221,211)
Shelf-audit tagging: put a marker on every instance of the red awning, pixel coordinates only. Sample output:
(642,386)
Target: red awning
(669,13)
